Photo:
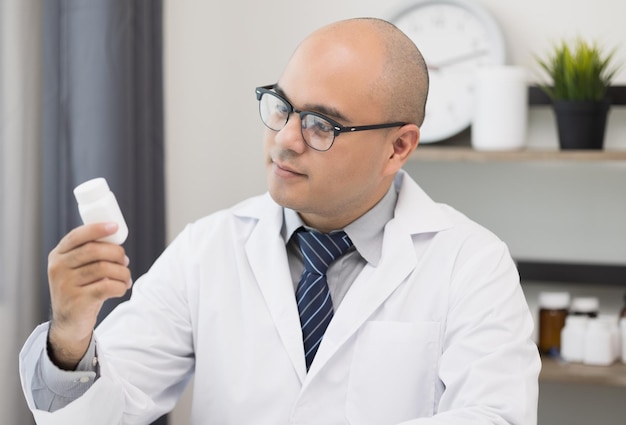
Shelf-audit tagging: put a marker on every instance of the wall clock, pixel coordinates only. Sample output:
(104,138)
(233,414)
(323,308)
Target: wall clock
(456,37)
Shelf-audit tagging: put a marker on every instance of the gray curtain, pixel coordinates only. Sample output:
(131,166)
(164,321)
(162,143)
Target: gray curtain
(102,116)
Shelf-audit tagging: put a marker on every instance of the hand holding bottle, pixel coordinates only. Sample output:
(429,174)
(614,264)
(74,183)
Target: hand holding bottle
(86,268)
(82,273)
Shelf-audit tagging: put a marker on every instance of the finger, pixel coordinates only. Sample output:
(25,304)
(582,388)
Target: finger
(92,252)
(83,234)
(99,270)
(107,288)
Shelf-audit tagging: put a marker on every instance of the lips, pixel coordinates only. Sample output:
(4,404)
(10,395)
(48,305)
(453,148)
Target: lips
(285,170)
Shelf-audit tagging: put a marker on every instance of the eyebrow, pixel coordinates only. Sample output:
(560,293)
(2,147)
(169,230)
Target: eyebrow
(320,109)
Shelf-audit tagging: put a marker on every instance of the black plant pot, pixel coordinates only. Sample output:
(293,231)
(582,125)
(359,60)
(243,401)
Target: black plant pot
(581,123)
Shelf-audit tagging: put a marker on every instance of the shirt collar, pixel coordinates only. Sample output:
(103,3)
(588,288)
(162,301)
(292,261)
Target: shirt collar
(366,232)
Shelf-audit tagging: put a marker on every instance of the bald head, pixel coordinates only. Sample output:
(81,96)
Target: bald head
(397,74)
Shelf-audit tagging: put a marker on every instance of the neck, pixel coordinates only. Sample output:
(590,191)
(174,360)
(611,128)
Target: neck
(338,220)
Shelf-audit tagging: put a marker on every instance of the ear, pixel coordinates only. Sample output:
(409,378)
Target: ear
(406,139)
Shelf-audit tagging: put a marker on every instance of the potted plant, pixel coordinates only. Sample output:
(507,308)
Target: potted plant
(580,75)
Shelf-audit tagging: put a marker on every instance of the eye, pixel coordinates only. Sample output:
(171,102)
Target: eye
(317,124)
(275,105)
(281,108)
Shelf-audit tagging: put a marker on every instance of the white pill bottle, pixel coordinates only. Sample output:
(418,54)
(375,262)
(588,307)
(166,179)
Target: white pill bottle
(97,204)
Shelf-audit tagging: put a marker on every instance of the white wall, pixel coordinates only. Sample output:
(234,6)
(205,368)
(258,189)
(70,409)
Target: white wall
(217,52)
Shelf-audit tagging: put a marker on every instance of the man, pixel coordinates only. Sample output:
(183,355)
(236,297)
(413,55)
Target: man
(420,321)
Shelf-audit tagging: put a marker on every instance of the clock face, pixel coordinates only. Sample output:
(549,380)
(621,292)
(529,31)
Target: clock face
(456,38)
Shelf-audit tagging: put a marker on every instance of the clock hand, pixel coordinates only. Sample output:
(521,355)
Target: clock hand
(453,61)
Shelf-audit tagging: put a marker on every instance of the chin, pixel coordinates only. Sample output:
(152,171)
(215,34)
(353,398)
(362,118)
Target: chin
(279,196)
(282,198)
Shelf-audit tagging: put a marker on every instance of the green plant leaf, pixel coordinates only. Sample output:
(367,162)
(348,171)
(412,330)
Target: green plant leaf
(580,71)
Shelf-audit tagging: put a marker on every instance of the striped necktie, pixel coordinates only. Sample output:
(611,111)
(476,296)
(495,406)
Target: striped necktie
(315,306)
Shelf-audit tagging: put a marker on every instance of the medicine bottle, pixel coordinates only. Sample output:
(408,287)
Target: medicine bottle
(599,342)
(585,306)
(622,313)
(573,338)
(97,204)
(612,322)
(553,309)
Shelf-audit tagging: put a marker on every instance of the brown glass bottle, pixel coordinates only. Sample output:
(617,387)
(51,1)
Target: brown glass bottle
(553,309)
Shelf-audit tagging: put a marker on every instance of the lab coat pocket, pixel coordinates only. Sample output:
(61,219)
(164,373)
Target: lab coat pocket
(393,373)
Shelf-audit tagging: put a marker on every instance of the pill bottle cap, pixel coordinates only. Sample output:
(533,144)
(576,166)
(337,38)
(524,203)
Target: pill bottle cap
(91,190)
(554,300)
(585,304)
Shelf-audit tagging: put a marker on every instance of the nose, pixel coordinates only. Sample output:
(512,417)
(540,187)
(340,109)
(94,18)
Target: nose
(290,137)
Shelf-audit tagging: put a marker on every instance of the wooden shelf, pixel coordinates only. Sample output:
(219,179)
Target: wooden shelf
(558,371)
(430,153)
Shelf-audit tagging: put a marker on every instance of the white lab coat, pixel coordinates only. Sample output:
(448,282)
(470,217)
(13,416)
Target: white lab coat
(438,333)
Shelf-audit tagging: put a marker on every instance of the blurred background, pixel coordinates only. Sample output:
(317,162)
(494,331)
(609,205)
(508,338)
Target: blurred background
(158,96)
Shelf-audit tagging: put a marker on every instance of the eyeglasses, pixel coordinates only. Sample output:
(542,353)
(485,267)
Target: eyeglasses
(318,131)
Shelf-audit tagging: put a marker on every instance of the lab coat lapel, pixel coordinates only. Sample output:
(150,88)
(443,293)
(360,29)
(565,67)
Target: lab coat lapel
(368,292)
(267,257)
(415,213)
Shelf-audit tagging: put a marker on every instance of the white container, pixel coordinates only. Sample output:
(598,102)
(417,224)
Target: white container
(613,325)
(598,343)
(500,120)
(573,338)
(97,204)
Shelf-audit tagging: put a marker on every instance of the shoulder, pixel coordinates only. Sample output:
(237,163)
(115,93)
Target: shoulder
(239,219)
(425,215)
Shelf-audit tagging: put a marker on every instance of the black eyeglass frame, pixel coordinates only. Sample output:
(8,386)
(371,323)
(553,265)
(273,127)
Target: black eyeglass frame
(337,127)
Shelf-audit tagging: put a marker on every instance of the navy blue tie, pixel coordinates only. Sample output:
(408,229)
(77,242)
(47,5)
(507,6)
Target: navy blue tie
(319,250)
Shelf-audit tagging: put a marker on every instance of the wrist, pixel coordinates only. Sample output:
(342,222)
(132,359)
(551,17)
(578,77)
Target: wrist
(66,351)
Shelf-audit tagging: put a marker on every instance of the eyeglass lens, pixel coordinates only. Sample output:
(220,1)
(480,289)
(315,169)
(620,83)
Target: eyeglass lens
(317,132)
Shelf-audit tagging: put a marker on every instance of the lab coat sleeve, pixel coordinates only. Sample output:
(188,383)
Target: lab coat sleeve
(145,352)
(102,403)
(489,364)
(54,388)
